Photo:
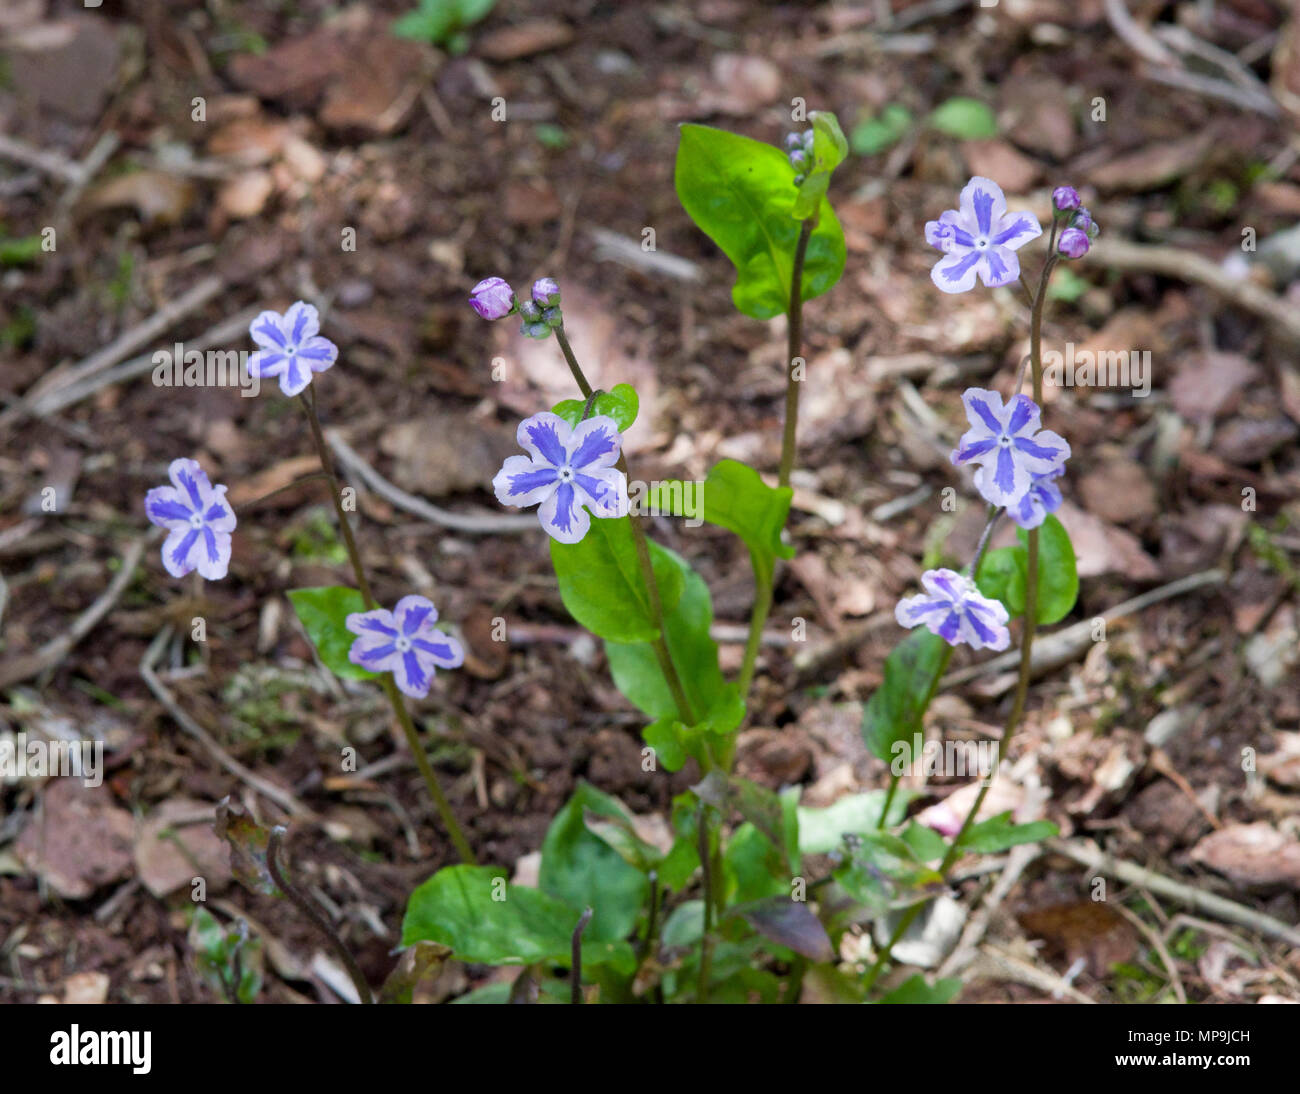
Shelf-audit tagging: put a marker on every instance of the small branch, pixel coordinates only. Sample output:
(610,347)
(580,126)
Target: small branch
(1089,854)
(492,523)
(269,790)
(1191,267)
(54,651)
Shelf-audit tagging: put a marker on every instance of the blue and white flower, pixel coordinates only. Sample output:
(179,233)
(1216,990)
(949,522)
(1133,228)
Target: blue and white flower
(1042,497)
(568,471)
(290,346)
(954,609)
(1007,445)
(979,237)
(404,642)
(198,519)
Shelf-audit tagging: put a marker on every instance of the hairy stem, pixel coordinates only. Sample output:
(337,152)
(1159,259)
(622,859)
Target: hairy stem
(706,942)
(386,680)
(1027,638)
(575,977)
(308,909)
(794,346)
(659,645)
(793,356)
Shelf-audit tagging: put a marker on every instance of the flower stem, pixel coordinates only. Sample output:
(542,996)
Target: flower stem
(706,941)
(308,909)
(1026,641)
(659,645)
(794,347)
(794,344)
(386,681)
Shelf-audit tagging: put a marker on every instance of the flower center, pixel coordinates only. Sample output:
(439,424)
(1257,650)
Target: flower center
(196,521)
(982,243)
(566,474)
(1005,440)
(402,643)
(290,350)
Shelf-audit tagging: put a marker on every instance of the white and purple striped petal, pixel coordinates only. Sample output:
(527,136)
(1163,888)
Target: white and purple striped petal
(1007,446)
(979,239)
(404,642)
(290,347)
(956,611)
(568,474)
(198,520)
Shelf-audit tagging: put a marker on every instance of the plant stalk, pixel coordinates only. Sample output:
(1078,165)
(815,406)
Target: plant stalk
(1027,638)
(659,644)
(308,909)
(794,347)
(395,700)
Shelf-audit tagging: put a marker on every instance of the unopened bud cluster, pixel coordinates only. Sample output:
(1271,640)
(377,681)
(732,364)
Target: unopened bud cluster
(493,298)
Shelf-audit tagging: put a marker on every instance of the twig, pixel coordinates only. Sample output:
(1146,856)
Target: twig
(464,522)
(52,163)
(1190,266)
(1157,944)
(217,335)
(1087,853)
(997,964)
(968,948)
(282,798)
(630,253)
(40,400)
(1064,646)
(54,651)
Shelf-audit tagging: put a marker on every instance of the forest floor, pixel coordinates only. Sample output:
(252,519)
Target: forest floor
(1174,743)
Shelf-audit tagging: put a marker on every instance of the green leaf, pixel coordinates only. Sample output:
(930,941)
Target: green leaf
(736,498)
(323,612)
(883,873)
(741,194)
(694,653)
(1058,575)
(915,990)
(1000,570)
(829,150)
(776,816)
(664,735)
(893,713)
(617,832)
(753,867)
(583,870)
(1004,573)
(999,833)
(601,584)
(228,959)
(484,919)
(620,403)
(21,250)
(441,22)
(967,119)
(926,844)
(823,830)
(874,135)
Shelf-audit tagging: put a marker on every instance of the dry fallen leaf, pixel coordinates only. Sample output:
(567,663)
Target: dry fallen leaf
(1207,384)
(176,844)
(79,841)
(1251,855)
(155,195)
